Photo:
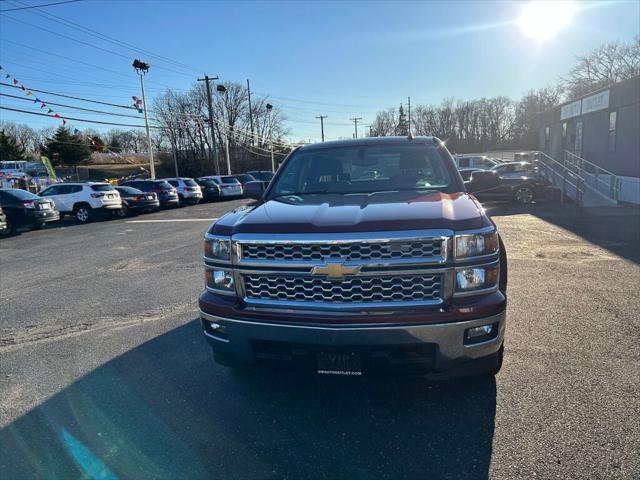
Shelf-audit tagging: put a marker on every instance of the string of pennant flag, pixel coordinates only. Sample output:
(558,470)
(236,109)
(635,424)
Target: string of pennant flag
(137,104)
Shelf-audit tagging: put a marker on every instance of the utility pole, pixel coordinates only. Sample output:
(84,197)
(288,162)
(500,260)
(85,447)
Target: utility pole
(250,111)
(142,69)
(206,79)
(355,125)
(322,117)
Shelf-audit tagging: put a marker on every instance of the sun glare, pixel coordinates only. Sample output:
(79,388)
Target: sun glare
(542,20)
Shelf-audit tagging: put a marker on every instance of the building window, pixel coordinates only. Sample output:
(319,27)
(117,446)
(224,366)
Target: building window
(613,120)
(564,130)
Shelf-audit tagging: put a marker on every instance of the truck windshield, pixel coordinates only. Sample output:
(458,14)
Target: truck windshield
(366,169)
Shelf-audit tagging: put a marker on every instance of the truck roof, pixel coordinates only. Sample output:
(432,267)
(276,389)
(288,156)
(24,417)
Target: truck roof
(371,141)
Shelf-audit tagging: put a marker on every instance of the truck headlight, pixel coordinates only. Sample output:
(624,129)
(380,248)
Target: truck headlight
(476,244)
(477,278)
(220,280)
(217,248)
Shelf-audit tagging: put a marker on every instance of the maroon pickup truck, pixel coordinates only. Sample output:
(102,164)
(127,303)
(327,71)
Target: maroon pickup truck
(361,256)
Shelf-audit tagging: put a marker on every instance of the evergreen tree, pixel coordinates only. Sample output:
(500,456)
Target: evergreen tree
(10,150)
(65,148)
(403,126)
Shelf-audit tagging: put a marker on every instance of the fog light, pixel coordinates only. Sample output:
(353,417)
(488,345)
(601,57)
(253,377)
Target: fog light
(220,280)
(481,333)
(216,330)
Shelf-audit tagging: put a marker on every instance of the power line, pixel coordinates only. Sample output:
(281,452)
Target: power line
(71,97)
(38,6)
(73,107)
(107,38)
(72,119)
(118,54)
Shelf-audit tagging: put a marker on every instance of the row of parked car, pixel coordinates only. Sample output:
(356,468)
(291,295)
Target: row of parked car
(87,200)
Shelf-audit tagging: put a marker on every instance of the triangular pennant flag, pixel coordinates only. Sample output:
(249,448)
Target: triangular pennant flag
(50,111)
(139,110)
(43,105)
(7,76)
(76,131)
(56,115)
(15,82)
(22,87)
(36,100)
(29,93)
(0,67)
(64,122)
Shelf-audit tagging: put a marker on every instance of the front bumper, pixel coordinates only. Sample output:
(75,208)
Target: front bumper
(440,347)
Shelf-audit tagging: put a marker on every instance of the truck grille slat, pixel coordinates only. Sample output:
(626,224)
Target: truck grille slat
(357,289)
(349,251)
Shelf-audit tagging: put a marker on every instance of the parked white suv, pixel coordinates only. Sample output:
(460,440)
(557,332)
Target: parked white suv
(83,200)
(189,192)
(229,185)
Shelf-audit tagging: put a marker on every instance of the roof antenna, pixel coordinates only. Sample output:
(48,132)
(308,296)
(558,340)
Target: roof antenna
(410,136)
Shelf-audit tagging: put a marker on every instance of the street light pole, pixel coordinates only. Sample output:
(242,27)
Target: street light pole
(273,162)
(141,69)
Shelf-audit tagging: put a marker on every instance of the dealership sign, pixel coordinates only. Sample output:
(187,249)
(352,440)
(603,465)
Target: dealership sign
(569,110)
(592,103)
(595,102)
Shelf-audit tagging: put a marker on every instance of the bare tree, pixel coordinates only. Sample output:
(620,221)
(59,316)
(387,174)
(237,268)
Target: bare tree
(602,67)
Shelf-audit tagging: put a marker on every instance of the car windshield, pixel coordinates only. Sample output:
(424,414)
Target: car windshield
(22,194)
(229,180)
(102,187)
(129,190)
(365,169)
(206,183)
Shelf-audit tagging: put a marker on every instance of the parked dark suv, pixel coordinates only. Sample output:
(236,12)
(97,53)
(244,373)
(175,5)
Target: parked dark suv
(347,273)
(167,194)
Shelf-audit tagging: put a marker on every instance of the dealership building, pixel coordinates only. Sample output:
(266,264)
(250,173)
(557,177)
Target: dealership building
(602,128)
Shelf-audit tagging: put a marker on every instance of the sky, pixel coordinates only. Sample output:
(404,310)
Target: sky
(340,59)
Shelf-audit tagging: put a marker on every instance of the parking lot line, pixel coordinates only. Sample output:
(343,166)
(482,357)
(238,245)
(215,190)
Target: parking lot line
(169,220)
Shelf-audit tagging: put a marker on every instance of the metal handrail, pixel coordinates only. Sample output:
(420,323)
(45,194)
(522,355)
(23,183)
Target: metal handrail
(613,183)
(578,173)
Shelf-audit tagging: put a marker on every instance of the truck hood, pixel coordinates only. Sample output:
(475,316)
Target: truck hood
(356,213)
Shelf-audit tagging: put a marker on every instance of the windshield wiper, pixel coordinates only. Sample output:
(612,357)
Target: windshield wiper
(299,194)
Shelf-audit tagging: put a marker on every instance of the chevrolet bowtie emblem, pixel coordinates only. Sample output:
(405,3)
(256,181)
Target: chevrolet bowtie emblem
(336,270)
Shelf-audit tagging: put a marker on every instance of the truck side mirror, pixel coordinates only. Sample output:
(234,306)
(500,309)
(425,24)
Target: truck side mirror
(482,181)
(254,189)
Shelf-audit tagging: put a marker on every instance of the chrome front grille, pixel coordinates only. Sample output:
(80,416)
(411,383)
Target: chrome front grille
(354,251)
(366,289)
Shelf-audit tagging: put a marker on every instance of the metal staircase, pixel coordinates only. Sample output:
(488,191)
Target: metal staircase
(584,182)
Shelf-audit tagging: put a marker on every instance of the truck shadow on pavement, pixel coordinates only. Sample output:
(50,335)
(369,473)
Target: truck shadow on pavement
(617,231)
(165,410)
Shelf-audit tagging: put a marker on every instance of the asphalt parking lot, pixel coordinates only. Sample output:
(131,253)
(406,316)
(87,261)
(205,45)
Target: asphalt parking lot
(104,371)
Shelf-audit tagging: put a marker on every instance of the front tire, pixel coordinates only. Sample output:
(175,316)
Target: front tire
(523,194)
(82,213)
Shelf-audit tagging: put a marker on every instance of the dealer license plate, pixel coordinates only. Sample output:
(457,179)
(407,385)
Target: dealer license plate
(330,363)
